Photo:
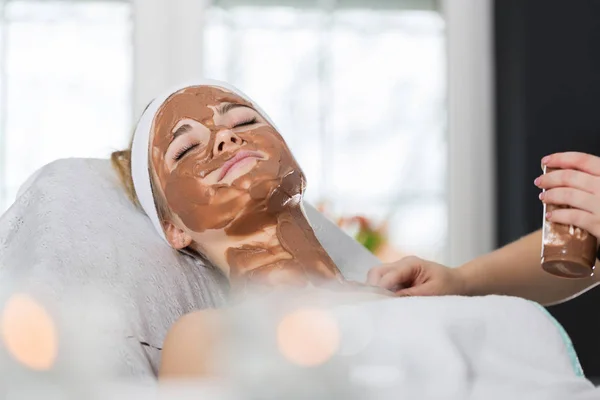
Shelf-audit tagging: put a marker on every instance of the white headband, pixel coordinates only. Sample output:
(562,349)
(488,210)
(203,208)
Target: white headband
(140,146)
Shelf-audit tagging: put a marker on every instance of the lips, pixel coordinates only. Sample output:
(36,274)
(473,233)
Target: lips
(241,155)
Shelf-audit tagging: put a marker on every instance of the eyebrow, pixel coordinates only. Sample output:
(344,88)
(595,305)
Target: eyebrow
(230,106)
(180,131)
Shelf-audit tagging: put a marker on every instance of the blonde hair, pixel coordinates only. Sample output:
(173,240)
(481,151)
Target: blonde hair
(121,162)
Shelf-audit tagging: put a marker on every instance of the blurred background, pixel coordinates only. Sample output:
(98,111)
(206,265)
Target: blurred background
(420,124)
(359,89)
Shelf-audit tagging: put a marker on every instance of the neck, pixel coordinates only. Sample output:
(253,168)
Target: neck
(285,253)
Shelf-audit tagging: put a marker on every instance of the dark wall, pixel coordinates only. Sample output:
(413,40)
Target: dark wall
(548,100)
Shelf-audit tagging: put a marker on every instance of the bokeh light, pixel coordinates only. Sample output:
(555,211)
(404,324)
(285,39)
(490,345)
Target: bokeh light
(29,333)
(308,337)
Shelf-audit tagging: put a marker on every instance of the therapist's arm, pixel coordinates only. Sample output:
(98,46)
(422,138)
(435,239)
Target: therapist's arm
(515,270)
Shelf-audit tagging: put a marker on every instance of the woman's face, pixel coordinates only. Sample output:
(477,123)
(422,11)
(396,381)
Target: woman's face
(220,164)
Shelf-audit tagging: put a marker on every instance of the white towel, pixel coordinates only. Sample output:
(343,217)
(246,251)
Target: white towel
(76,243)
(72,230)
(491,347)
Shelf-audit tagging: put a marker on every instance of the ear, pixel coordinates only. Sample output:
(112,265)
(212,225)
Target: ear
(177,237)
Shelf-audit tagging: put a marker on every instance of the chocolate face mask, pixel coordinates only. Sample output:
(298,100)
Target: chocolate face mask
(248,201)
(222,166)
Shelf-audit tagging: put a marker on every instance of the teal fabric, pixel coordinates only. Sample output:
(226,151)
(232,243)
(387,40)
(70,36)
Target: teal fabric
(567,341)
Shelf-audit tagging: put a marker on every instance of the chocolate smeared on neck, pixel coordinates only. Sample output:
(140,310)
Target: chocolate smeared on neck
(260,211)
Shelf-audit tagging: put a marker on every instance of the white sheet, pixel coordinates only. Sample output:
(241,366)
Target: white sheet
(492,347)
(72,235)
(73,231)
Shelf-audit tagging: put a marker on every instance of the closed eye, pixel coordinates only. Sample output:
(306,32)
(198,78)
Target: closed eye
(247,122)
(184,150)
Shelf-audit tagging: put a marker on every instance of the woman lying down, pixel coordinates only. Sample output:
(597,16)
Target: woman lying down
(219,183)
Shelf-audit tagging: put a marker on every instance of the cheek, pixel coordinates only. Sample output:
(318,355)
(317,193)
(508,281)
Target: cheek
(185,192)
(281,160)
(187,197)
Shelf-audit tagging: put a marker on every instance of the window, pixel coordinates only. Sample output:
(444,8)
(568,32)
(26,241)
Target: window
(65,86)
(387,104)
(359,94)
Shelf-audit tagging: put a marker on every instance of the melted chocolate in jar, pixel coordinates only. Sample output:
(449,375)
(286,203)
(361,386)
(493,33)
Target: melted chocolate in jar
(567,251)
(267,196)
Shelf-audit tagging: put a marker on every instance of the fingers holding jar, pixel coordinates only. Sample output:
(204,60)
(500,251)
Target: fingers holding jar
(572,182)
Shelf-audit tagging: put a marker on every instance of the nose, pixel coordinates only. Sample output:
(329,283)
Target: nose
(226,140)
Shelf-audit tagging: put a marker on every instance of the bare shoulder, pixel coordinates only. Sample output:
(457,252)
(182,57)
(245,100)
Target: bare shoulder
(189,345)
(196,322)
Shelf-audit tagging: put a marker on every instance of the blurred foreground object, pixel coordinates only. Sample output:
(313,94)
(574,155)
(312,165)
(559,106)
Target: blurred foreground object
(29,333)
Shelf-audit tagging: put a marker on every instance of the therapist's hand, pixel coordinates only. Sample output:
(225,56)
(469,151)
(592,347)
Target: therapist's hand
(412,276)
(576,184)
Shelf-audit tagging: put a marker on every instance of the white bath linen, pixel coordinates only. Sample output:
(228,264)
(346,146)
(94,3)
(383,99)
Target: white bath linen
(76,243)
(472,348)
(490,347)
